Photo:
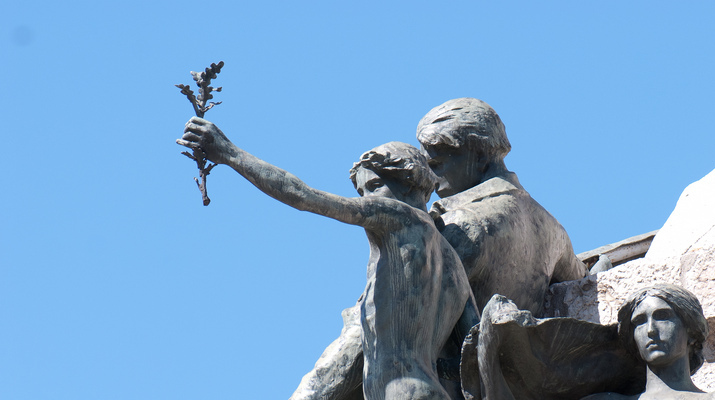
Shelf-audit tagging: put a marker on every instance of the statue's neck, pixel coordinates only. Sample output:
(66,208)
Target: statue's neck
(493,170)
(672,377)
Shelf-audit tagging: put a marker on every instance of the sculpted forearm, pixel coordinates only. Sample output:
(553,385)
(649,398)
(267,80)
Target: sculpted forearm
(371,213)
(280,184)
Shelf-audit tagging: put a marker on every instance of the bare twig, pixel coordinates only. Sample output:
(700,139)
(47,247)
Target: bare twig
(187,154)
(186,90)
(203,81)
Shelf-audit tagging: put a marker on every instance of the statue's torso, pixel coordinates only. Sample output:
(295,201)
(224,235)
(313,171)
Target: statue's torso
(508,243)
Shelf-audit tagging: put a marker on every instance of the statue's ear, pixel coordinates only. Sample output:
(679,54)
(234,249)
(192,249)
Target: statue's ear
(475,143)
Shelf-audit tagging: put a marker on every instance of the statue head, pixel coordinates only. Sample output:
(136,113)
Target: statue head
(658,323)
(463,138)
(400,167)
(465,123)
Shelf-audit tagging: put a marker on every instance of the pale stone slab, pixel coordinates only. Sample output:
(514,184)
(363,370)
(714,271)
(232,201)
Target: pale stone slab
(620,252)
(689,223)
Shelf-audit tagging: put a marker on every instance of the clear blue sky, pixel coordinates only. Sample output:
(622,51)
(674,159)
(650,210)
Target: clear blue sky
(116,283)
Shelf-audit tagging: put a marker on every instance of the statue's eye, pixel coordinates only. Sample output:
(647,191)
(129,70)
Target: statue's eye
(663,314)
(638,320)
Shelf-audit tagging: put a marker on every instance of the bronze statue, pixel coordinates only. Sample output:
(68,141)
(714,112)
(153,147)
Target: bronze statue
(665,326)
(417,289)
(650,354)
(507,242)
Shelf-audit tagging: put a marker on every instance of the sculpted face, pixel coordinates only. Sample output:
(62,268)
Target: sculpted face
(457,169)
(369,183)
(659,334)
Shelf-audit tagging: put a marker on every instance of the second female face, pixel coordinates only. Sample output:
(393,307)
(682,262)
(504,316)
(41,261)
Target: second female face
(660,335)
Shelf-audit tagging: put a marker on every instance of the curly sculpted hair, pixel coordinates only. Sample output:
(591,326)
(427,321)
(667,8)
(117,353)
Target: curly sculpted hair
(401,161)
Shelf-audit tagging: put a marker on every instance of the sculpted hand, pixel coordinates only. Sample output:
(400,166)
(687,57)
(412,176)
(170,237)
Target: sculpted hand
(204,135)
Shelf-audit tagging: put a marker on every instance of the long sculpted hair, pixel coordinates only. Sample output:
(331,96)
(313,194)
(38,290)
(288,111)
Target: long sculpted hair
(401,161)
(686,307)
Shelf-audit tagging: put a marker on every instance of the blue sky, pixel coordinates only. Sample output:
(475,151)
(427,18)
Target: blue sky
(116,283)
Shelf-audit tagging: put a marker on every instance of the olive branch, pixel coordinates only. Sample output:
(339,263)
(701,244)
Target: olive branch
(203,81)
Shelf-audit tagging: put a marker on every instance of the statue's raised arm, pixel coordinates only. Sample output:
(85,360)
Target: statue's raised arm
(280,184)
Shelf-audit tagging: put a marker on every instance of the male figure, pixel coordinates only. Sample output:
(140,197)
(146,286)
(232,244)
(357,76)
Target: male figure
(416,287)
(507,242)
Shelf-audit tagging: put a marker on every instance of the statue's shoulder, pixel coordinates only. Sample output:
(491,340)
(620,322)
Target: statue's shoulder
(481,200)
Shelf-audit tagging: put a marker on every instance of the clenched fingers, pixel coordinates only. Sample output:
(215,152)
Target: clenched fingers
(191,136)
(191,145)
(195,128)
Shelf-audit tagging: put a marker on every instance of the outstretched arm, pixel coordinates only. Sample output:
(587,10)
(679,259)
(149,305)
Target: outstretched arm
(280,184)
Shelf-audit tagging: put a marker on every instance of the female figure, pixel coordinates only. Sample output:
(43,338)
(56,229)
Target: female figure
(417,289)
(664,325)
